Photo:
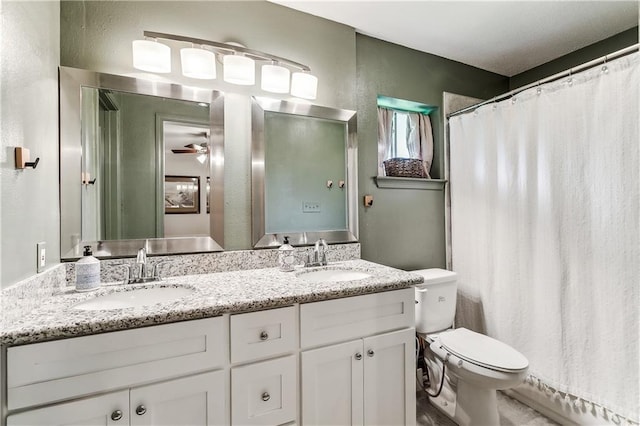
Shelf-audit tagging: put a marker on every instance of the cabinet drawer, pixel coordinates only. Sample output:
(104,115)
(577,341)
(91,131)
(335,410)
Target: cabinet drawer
(98,410)
(262,334)
(340,320)
(264,393)
(54,371)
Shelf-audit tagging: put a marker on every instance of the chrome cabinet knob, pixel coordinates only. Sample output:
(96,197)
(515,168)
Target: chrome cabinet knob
(266,396)
(264,335)
(116,415)
(370,352)
(140,410)
(358,356)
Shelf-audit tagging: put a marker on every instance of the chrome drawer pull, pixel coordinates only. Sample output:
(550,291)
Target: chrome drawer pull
(266,396)
(116,415)
(140,410)
(358,356)
(264,335)
(370,352)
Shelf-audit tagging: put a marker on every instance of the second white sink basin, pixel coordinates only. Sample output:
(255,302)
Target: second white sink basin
(134,298)
(335,275)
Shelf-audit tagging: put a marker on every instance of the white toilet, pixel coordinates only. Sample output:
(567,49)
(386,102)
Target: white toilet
(475,365)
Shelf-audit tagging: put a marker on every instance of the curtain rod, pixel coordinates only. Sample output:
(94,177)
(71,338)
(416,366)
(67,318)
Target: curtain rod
(601,60)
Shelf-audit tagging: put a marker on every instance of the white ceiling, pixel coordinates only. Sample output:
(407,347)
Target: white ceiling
(505,37)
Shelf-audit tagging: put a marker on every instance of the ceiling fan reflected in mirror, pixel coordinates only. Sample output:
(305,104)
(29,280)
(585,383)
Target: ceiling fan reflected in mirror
(202,149)
(192,148)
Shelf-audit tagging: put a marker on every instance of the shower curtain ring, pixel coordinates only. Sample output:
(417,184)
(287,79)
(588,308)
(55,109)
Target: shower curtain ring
(605,68)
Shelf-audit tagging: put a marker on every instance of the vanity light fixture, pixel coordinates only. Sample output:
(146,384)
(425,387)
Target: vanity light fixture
(238,64)
(151,56)
(275,78)
(198,63)
(304,85)
(239,69)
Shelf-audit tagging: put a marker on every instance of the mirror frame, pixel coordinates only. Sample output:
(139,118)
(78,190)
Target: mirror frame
(261,239)
(71,81)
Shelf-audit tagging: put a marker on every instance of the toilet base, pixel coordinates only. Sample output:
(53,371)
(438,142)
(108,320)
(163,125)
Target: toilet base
(469,406)
(476,406)
(463,402)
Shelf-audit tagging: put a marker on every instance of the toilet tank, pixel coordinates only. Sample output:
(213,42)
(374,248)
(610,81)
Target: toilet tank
(435,300)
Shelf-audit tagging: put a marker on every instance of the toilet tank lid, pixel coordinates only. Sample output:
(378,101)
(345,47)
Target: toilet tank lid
(436,275)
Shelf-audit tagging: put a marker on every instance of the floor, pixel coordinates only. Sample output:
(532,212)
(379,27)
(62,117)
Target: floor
(512,413)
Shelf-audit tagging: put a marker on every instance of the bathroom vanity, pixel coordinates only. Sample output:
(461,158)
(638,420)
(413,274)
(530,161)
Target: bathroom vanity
(244,347)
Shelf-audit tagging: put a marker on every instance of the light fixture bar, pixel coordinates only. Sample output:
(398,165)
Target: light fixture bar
(228,48)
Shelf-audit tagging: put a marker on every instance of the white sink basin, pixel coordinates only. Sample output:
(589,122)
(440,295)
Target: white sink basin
(134,298)
(335,275)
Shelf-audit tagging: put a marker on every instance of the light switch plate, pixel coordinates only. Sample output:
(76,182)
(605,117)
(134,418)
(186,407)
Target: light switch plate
(41,256)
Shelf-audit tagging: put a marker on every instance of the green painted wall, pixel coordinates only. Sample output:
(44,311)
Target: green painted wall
(580,56)
(29,207)
(405,227)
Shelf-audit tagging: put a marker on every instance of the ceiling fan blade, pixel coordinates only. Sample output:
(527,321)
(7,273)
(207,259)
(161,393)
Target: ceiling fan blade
(185,151)
(198,147)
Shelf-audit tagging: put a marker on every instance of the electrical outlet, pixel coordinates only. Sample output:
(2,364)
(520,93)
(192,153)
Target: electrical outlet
(310,207)
(41,251)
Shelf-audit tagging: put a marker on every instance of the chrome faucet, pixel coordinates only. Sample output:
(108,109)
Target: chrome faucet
(320,250)
(139,272)
(141,262)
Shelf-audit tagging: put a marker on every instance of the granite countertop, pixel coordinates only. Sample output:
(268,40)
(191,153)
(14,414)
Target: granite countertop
(214,294)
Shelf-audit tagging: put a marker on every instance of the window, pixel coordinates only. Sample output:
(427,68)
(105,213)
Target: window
(404,134)
(400,131)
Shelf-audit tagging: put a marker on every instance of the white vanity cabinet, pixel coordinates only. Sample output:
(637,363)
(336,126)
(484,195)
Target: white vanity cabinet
(194,400)
(166,374)
(340,361)
(368,380)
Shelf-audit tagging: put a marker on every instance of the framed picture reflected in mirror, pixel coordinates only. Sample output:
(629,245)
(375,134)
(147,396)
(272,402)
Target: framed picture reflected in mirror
(181,194)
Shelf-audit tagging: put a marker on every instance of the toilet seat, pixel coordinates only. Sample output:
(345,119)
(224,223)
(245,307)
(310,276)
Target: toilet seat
(483,351)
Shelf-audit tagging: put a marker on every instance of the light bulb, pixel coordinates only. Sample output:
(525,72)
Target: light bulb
(198,63)
(151,56)
(304,85)
(239,69)
(275,78)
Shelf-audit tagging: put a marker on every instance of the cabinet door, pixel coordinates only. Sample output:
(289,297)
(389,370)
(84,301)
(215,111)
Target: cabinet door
(332,385)
(389,379)
(195,401)
(111,409)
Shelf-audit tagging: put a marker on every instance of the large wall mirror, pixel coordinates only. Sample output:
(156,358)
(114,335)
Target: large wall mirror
(141,163)
(304,173)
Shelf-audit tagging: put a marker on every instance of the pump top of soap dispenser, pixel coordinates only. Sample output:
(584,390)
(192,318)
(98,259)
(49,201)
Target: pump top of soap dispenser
(285,244)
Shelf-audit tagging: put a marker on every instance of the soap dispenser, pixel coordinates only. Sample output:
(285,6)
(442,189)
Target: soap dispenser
(87,271)
(286,259)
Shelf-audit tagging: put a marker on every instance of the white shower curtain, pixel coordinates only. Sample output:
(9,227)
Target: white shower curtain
(546,230)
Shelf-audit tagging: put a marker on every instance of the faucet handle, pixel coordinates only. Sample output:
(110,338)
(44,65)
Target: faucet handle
(156,269)
(129,274)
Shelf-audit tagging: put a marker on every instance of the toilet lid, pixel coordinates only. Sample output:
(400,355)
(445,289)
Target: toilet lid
(483,350)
